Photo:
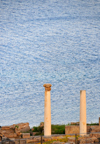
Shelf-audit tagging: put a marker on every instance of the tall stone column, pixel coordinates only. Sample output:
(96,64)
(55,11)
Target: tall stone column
(83,124)
(47,110)
(99,121)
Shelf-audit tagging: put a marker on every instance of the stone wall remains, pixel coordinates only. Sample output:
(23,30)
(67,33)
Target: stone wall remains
(73,129)
(14,131)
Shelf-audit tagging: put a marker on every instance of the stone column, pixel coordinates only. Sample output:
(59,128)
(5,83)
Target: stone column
(99,121)
(47,110)
(83,124)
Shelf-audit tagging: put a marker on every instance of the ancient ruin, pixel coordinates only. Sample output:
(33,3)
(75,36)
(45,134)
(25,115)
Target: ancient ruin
(15,130)
(75,133)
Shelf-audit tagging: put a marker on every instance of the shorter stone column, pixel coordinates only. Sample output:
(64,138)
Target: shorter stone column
(83,124)
(99,121)
(47,110)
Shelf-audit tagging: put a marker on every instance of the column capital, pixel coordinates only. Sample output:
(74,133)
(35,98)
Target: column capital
(47,87)
(82,91)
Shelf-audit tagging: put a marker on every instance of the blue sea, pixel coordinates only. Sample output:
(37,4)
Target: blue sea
(49,41)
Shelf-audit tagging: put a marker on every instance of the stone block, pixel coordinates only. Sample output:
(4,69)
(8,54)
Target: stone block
(22,127)
(71,139)
(88,140)
(17,141)
(57,142)
(30,141)
(71,129)
(7,141)
(25,129)
(25,135)
(14,131)
(10,135)
(22,141)
(46,138)
(12,139)
(37,138)
(97,135)
(7,130)
(31,137)
(93,128)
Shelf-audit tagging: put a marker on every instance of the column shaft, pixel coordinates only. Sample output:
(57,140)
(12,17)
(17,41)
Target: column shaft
(47,111)
(83,125)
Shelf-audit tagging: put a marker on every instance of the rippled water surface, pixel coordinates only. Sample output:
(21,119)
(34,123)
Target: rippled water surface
(57,42)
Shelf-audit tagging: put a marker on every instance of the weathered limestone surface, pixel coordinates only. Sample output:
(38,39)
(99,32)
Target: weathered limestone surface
(71,129)
(17,141)
(71,139)
(8,131)
(25,135)
(10,135)
(97,135)
(33,139)
(93,129)
(22,141)
(14,131)
(57,142)
(22,127)
(7,141)
(90,138)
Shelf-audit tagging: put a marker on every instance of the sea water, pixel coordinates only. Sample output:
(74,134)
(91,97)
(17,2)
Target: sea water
(56,42)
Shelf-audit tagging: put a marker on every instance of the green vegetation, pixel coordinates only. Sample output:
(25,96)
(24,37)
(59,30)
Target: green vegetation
(16,126)
(77,136)
(77,123)
(93,124)
(58,129)
(68,124)
(55,129)
(38,129)
(64,139)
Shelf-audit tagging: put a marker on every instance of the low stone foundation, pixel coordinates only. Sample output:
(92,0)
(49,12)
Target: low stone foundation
(90,138)
(36,139)
(72,129)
